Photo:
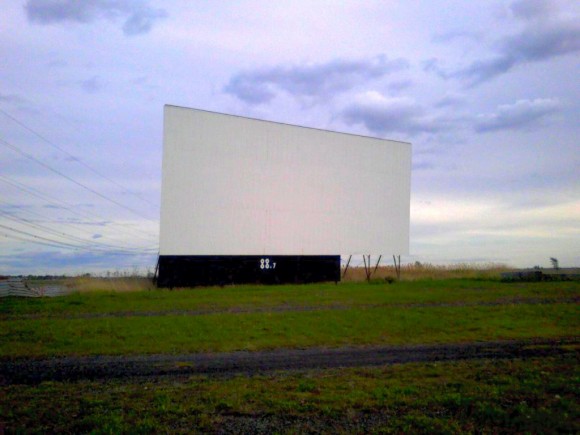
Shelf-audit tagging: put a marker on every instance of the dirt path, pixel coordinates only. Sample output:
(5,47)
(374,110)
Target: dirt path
(290,307)
(31,371)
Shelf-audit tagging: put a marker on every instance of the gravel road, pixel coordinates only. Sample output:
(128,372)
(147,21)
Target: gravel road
(32,371)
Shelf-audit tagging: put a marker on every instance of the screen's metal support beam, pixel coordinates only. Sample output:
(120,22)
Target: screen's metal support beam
(377,265)
(397,266)
(367,263)
(156,273)
(347,264)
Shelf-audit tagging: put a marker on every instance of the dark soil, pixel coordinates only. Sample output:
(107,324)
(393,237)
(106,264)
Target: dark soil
(32,371)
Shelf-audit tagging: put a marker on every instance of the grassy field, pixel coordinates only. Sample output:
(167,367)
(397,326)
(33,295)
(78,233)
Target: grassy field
(286,316)
(295,329)
(533,395)
(348,294)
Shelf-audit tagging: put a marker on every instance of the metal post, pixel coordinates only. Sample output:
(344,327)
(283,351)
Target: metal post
(397,267)
(367,268)
(399,275)
(377,266)
(346,268)
(156,274)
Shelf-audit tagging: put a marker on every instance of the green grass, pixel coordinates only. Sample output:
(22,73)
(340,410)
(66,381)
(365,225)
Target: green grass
(294,329)
(538,395)
(288,296)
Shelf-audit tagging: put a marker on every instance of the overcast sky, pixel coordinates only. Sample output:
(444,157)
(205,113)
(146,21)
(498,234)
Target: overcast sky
(486,91)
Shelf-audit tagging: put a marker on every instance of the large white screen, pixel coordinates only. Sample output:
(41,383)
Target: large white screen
(240,186)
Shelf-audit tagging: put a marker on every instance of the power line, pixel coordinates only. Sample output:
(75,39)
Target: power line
(70,237)
(59,243)
(26,233)
(61,204)
(94,171)
(72,180)
(38,215)
(21,239)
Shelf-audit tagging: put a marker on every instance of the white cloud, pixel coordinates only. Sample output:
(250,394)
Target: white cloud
(493,229)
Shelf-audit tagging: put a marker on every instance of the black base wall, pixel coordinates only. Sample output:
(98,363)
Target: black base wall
(204,270)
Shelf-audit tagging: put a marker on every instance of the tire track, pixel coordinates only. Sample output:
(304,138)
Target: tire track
(33,371)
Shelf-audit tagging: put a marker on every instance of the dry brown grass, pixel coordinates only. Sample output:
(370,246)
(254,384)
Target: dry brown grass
(413,272)
(409,272)
(85,284)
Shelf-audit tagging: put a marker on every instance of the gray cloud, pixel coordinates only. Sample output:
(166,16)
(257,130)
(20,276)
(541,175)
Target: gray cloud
(91,85)
(138,16)
(391,115)
(57,63)
(455,35)
(399,85)
(431,65)
(533,45)
(141,21)
(451,101)
(544,35)
(315,80)
(423,166)
(541,43)
(11,98)
(523,114)
(532,9)
(381,115)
